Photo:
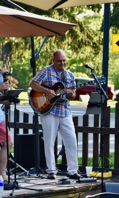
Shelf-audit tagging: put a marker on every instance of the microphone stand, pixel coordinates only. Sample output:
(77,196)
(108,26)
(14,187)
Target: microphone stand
(103,98)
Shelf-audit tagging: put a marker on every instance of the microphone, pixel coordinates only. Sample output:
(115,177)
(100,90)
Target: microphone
(88,67)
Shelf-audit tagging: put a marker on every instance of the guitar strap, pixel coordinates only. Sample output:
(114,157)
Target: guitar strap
(64,77)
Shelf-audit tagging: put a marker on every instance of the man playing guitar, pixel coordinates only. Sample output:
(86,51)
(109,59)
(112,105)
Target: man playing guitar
(59,118)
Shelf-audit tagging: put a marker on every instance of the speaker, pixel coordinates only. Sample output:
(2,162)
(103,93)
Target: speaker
(26,150)
(112,187)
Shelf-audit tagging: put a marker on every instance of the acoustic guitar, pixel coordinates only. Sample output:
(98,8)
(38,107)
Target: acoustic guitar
(41,104)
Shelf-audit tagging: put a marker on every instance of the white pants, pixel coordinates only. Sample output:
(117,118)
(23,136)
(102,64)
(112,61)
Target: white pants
(51,125)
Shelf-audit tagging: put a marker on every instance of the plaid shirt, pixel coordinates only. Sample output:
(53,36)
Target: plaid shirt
(49,76)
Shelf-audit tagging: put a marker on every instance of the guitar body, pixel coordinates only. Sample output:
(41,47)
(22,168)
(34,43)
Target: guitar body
(41,104)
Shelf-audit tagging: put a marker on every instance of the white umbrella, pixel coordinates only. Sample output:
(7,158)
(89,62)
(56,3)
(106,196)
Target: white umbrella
(15,23)
(49,4)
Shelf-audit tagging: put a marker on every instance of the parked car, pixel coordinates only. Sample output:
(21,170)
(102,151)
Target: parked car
(116,95)
(85,86)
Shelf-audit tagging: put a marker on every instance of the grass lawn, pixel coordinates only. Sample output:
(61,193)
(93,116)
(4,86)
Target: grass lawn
(90,161)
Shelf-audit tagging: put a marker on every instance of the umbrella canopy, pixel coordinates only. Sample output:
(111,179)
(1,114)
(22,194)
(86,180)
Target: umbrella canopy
(46,4)
(15,23)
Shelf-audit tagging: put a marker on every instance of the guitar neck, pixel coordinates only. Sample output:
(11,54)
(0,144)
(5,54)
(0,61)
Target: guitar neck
(92,82)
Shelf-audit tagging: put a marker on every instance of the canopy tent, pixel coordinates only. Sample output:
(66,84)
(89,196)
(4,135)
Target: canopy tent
(15,23)
(47,5)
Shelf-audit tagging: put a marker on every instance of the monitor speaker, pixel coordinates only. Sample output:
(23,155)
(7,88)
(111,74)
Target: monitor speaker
(26,150)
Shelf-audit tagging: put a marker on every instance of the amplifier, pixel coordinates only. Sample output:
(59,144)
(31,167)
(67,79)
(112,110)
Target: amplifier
(26,150)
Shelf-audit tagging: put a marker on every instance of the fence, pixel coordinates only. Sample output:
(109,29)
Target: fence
(98,133)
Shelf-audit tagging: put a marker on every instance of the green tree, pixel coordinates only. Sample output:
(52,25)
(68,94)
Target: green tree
(83,43)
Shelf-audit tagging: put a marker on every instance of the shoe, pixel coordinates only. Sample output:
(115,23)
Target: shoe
(51,176)
(74,176)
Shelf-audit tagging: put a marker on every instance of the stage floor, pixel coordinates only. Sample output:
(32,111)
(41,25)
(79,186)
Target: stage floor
(40,186)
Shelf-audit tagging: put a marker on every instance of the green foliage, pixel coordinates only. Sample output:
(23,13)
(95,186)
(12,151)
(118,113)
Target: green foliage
(96,7)
(115,79)
(83,44)
(22,73)
(115,16)
(78,43)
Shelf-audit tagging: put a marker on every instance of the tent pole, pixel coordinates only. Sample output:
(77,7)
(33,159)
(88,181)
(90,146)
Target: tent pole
(32,60)
(40,48)
(106,28)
